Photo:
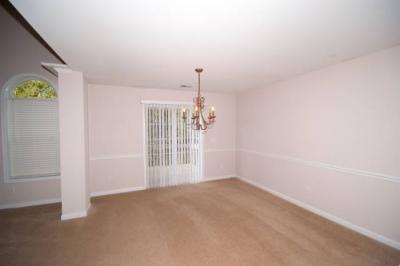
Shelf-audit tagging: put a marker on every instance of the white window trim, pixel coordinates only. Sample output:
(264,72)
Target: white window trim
(165,102)
(4,95)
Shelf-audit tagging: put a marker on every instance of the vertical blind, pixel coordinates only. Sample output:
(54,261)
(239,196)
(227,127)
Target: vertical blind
(173,153)
(32,138)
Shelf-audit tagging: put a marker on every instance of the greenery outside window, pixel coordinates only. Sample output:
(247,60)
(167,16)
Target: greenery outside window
(35,89)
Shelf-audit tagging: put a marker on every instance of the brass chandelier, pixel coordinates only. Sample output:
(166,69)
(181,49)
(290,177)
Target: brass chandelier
(198,121)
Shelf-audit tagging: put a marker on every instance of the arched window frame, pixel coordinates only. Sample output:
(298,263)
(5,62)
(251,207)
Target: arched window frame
(5,95)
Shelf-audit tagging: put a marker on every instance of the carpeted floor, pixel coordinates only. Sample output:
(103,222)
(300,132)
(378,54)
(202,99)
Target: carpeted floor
(215,223)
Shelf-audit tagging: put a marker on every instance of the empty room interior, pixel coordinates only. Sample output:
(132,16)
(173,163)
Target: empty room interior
(182,132)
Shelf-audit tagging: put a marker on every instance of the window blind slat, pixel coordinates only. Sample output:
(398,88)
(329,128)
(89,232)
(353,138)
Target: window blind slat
(33,138)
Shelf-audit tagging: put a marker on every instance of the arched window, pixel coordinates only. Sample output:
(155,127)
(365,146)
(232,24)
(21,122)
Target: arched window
(30,128)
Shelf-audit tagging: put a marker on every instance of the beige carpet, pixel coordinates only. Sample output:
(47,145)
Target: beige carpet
(215,223)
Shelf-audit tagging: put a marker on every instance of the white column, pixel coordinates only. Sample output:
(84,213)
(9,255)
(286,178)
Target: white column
(72,90)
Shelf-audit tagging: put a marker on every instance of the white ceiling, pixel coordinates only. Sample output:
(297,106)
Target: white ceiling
(242,44)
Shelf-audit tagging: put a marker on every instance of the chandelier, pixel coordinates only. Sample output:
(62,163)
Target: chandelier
(198,121)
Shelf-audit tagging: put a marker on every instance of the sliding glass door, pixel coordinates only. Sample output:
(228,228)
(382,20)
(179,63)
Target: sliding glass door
(173,149)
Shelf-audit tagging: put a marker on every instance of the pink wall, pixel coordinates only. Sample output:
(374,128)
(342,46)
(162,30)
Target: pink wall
(22,53)
(116,135)
(329,139)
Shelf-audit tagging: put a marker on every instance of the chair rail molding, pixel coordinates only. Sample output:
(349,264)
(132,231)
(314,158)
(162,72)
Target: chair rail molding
(381,176)
(220,150)
(116,156)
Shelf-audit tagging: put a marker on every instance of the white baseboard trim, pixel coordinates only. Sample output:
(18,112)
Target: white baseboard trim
(93,194)
(331,217)
(29,203)
(218,177)
(74,215)
(133,189)
(116,191)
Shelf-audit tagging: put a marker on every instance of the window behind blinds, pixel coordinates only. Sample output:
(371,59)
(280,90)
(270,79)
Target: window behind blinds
(33,138)
(173,154)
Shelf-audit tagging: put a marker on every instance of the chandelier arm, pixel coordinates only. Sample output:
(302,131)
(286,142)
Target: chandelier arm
(204,121)
(195,123)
